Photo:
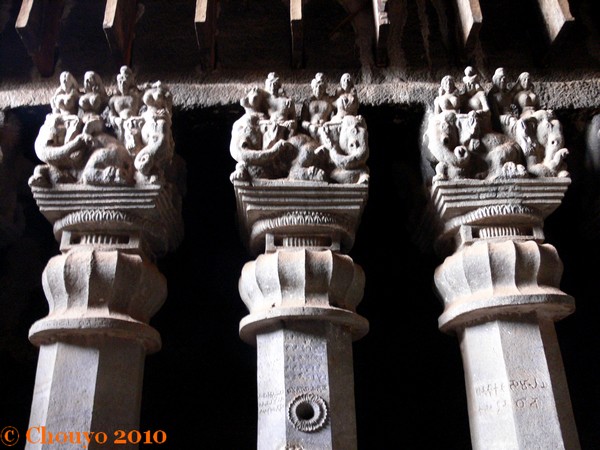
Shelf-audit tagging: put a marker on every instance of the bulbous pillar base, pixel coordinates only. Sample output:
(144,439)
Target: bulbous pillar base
(488,279)
(93,344)
(303,321)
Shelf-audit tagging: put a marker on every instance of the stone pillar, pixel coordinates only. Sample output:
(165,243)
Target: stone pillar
(108,187)
(299,207)
(499,282)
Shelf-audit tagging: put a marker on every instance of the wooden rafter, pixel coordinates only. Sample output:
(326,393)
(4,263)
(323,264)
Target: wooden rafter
(471,18)
(557,16)
(119,24)
(297,33)
(205,22)
(382,26)
(38,25)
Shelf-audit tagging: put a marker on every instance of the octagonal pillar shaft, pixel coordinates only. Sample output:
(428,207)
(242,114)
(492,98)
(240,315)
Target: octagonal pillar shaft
(94,388)
(519,400)
(501,292)
(306,387)
(302,320)
(301,185)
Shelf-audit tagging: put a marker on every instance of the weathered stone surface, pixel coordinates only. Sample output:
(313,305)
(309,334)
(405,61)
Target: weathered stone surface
(327,143)
(302,209)
(499,134)
(305,387)
(93,386)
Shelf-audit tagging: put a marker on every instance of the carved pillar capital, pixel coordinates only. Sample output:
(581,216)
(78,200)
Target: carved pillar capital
(497,263)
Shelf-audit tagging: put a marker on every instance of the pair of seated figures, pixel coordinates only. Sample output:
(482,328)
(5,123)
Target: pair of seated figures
(326,141)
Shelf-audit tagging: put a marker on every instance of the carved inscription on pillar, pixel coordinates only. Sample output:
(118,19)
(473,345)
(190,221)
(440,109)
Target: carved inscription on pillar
(517,394)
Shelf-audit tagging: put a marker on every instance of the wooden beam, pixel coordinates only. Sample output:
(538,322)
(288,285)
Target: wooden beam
(205,22)
(469,14)
(557,16)
(382,27)
(38,25)
(297,33)
(119,23)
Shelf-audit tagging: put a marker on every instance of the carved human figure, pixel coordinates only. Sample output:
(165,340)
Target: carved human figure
(525,140)
(66,96)
(61,145)
(126,102)
(500,96)
(77,145)
(318,109)
(280,107)
(524,96)
(474,95)
(448,98)
(346,99)
(254,158)
(92,103)
(156,135)
(459,147)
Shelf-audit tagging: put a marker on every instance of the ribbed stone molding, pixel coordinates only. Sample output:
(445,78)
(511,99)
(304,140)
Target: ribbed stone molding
(110,189)
(300,284)
(500,286)
(301,185)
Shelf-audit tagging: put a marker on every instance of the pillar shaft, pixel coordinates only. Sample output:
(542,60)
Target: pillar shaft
(92,387)
(306,387)
(520,400)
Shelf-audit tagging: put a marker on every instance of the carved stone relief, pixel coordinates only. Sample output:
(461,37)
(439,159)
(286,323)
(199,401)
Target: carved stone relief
(502,133)
(92,137)
(327,143)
